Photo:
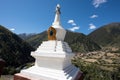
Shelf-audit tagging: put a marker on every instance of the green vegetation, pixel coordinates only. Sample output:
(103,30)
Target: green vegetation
(108,35)
(13,50)
(101,69)
(80,42)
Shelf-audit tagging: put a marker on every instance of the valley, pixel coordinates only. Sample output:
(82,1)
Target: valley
(99,65)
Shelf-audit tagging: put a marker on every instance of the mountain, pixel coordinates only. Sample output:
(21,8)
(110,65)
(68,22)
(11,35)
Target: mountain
(80,42)
(77,41)
(107,35)
(35,40)
(24,36)
(13,49)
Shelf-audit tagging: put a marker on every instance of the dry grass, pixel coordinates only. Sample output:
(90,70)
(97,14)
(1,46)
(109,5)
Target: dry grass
(90,60)
(108,60)
(6,77)
(107,68)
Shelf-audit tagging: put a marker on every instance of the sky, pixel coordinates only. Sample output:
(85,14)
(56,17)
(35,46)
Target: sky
(36,16)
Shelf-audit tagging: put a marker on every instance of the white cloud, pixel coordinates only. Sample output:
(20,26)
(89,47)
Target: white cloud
(72,22)
(12,29)
(74,28)
(91,26)
(97,3)
(94,16)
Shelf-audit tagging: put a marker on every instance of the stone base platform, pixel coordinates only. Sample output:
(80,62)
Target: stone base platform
(20,76)
(40,73)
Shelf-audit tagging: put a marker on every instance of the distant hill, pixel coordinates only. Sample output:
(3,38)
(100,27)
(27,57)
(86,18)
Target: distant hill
(24,36)
(107,35)
(13,49)
(77,41)
(35,40)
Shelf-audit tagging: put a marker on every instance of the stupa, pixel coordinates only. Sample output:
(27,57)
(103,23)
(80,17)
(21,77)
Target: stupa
(52,57)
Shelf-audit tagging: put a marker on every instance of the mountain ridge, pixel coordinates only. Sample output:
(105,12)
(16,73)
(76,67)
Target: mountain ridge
(13,49)
(107,35)
(77,41)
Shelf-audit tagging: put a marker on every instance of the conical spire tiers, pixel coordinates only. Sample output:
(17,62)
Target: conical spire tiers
(60,31)
(57,22)
(58,9)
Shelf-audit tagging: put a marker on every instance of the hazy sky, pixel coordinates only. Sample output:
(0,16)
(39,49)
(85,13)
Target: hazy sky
(35,16)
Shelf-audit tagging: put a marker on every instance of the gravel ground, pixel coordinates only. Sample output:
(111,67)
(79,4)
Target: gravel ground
(6,77)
